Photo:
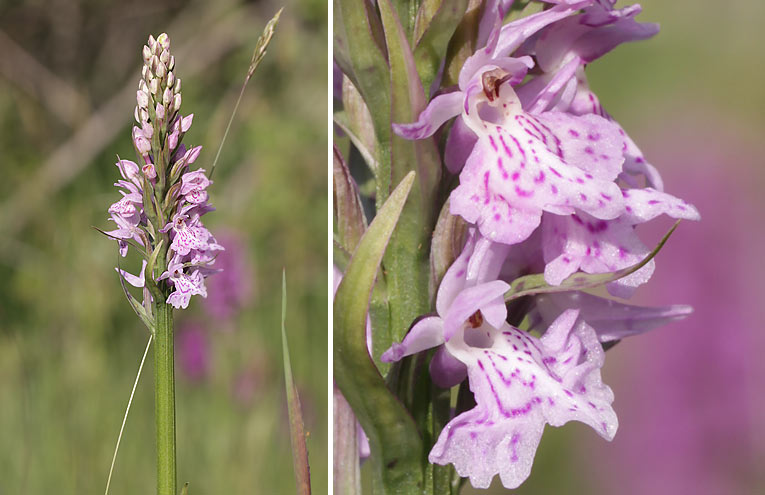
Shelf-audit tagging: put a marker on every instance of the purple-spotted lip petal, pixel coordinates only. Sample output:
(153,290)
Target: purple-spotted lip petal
(521,383)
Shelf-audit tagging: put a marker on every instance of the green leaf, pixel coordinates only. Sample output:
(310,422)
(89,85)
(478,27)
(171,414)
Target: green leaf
(297,431)
(462,44)
(394,441)
(435,24)
(357,25)
(535,284)
(349,214)
(441,415)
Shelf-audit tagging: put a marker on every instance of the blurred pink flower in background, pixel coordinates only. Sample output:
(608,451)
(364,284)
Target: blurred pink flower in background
(693,419)
(232,289)
(192,351)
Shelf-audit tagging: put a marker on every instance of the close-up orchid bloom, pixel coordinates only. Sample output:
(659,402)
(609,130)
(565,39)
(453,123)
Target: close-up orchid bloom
(489,219)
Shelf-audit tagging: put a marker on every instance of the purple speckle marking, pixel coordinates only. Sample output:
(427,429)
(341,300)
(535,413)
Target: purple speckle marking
(501,168)
(493,143)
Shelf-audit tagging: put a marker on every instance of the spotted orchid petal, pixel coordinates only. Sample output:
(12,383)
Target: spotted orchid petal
(582,242)
(521,383)
(588,142)
(186,285)
(646,204)
(519,168)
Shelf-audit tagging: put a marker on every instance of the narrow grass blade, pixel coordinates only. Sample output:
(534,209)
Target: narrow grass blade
(297,431)
(127,411)
(257,56)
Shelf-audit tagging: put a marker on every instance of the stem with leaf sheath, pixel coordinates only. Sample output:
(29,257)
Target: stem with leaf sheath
(164,397)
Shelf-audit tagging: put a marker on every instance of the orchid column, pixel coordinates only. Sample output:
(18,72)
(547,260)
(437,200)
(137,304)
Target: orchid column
(159,216)
(503,193)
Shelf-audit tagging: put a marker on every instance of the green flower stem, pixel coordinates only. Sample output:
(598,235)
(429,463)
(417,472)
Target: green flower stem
(164,397)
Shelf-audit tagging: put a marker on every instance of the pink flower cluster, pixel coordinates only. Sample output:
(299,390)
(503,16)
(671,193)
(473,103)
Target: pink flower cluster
(163,199)
(548,182)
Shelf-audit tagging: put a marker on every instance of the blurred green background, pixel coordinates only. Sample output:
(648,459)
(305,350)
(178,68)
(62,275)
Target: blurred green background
(69,343)
(689,396)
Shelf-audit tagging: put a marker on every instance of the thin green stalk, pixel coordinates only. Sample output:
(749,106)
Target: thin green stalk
(164,397)
(124,419)
(257,56)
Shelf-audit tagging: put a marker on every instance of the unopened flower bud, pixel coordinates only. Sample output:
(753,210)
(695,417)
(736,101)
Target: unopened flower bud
(149,172)
(167,96)
(135,114)
(161,71)
(186,122)
(142,85)
(143,113)
(146,53)
(141,143)
(164,41)
(170,79)
(142,99)
(148,129)
(154,63)
(145,73)
(152,43)
(160,111)
(154,86)
(177,86)
(172,140)
(177,102)
(164,57)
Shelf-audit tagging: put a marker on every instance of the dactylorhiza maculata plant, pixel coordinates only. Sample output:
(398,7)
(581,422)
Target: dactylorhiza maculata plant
(515,194)
(160,216)
(163,200)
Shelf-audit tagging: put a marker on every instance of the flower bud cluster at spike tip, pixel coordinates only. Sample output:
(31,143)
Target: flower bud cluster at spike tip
(159,91)
(163,200)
